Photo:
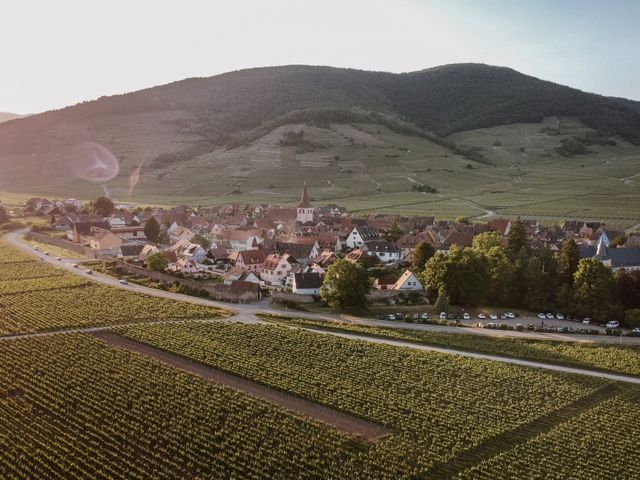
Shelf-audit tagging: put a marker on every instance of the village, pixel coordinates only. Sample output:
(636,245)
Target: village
(244,252)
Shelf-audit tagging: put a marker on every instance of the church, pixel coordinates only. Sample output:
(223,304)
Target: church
(305,211)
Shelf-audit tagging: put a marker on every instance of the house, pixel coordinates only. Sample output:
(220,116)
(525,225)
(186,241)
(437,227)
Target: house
(304,210)
(241,239)
(501,225)
(238,274)
(307,283)
(179,233)
(188,267)
(326,258)
(251,260)
(194,252)
(384,283)
(386,252)
(276,267)
(131,250)
(360,235)
(105,242)
(357,256)
(408,281)
(618,258)
(146,251)
(81,228)
(303,252)
(130,233)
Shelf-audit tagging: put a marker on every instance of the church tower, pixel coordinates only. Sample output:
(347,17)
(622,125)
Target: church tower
(305,209)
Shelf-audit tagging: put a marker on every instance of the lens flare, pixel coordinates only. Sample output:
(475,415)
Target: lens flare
(94,163)
(134,178)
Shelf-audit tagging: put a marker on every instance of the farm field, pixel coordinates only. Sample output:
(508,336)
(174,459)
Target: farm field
(73,407)
(368,167)
(443,409)
(37,297)
(610,358)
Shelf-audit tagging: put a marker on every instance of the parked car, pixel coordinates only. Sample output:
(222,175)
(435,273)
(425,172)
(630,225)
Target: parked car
(636,330)
(529,326)
(586,321)
(123,281)
(443,316)
(391,316)
(493,316)
(613,324)
(550,316)
(542,316)
(400,316)
(416,316)
(466,316)
(451,316)
(482,316)
(424,316)
(503,316)
(559,316)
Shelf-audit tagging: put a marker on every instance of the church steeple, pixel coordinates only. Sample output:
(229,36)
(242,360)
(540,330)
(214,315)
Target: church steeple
(305,209)
(304,200)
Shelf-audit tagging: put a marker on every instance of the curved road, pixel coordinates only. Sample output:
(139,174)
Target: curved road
(246,313)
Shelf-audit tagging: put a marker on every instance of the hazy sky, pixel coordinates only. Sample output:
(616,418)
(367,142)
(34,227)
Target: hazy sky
(56,53)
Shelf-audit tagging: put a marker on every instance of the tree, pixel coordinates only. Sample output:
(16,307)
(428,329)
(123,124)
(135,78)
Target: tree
(158,262)
(421,255)
(463,274)
(628,286)
(103,206)
(518,238)
(502,276)
(345,285)
(632,318)
(541,277)
(594,289)
(568,260)
(152,229)
(4,216)
(201,240)
(442,302)
(394,232)
(619,241)
(485,241)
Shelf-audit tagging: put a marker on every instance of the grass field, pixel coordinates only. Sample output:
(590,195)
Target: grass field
(371,168)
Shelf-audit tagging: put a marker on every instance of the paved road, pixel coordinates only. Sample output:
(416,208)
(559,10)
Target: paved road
(247,312)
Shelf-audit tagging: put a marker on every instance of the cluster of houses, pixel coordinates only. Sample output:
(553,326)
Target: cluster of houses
(290,249)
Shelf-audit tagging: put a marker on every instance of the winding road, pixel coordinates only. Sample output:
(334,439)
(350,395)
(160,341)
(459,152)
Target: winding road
(247,314)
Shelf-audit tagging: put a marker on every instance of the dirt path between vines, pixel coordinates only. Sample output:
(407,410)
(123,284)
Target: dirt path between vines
(369,431)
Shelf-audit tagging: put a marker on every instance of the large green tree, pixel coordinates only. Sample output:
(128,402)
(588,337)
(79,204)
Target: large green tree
(518,240)
(345,285)
(103,206)
(628,286)
(541,277)
(394,232)
(594,289)
(158,262)
(462,273)
(201,240)
(502,276)
(421,255)
(485,241)
(568,260)
(152,229)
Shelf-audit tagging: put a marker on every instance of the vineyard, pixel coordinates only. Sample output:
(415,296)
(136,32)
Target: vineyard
(612,358)
(439,406)
(73,407)
(38,297)
(600,443)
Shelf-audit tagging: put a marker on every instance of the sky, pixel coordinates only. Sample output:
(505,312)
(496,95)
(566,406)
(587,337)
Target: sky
(58,53)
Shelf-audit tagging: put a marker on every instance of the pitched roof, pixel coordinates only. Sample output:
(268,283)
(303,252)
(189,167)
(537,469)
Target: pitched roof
(131,250)
(307,280)
(253,257)
(304,200)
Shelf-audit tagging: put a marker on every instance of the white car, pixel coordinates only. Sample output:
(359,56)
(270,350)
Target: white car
(59,259)
(46,253)
(636,330)
(424,316)
(493,316)
(466,316)
(443,316)
(510,315)
(550,316)
(586,321)
(482,316)
(123,281)
(559,316)
(613,324)
(90,272)
(542,316)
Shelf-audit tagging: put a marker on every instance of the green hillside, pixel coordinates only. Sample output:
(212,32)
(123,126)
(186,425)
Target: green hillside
(454,140)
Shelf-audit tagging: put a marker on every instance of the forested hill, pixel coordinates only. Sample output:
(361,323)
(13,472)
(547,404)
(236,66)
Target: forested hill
(187,118)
